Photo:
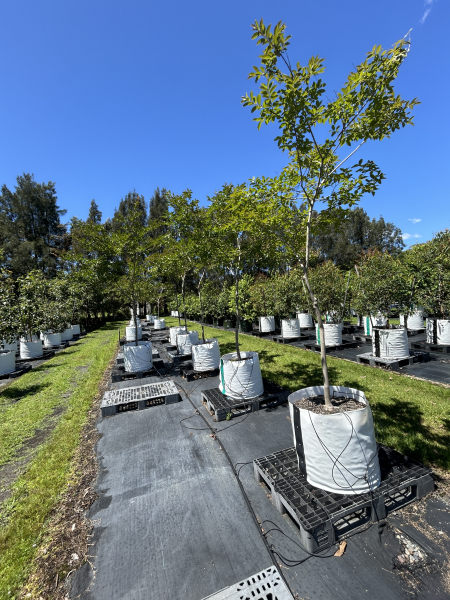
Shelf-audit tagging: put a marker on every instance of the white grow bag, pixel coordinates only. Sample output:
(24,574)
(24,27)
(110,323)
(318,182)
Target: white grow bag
(266,324)
(131,323)
(378,321)
(30,349)
(206,357)
(185,341)
(305,320)
(393,343)
(67,334)
(34,338)
(442,334)
(52,339)
(174,331)
(7,362)
(130,333)
(333,334)
(159,323)
(138,358)
(241,379)
(415,321)
(11,347)
(290,328)
(338,451)
(76,329)
(150,319)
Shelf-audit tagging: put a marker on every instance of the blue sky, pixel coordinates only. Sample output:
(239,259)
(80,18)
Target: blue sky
(103,97)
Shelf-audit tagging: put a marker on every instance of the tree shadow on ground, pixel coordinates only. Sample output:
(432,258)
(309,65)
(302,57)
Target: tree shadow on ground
(10,395)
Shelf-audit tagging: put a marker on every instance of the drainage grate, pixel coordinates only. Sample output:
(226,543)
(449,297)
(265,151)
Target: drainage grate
(265,585)
(325,517)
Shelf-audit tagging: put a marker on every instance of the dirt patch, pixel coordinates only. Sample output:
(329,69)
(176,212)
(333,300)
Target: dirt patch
(316,404)
(14,469)
(65,546)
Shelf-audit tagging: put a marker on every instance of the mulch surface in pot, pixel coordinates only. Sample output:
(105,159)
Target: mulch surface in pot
(316,404)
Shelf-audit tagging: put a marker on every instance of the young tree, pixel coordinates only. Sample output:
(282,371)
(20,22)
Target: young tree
(315,131)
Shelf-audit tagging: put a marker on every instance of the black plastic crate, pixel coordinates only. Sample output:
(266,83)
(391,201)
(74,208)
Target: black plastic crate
(324,518)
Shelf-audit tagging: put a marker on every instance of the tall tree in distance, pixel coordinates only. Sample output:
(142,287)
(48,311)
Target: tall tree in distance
(344,243)
(31,233)
(158,209)
(132,202)
(95,214)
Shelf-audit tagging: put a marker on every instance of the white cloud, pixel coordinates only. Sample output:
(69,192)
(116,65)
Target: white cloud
(407,236)
(415,220)
(428,6)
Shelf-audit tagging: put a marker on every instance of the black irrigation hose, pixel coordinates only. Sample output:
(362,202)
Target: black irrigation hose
(241,487)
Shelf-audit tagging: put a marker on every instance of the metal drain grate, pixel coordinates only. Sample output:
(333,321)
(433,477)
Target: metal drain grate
(265,585)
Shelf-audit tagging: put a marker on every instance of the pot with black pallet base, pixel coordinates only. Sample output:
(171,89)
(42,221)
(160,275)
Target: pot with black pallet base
(205,361)
(390,349)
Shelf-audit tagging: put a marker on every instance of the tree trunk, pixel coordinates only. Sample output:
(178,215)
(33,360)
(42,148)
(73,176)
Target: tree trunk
(183,281)
(201,307)
(178,308)
(236,331)
(323,350)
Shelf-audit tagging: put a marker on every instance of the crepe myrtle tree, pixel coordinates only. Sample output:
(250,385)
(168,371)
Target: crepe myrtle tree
(429,265)
(321,136)
(189,229)
(239,224)
(9,310)
(380,284)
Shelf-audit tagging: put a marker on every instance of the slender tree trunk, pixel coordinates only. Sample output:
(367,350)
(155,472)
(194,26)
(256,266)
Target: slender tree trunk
(183,281)
(178,308)
(201,305)
(236,331)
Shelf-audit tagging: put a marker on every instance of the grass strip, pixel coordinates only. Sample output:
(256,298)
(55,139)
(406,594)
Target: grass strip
(412,416)
(37,491)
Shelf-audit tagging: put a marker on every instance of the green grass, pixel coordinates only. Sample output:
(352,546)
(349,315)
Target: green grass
(66,384)
(410,415)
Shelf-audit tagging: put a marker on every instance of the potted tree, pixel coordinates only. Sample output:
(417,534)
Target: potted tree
(263,301)
(286,304)
(9,322)
(314,130)
(32,315)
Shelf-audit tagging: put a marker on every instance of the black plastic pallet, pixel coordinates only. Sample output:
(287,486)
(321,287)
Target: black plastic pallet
(23,369)
(45,356)
(344,346)
(258,333)
(119,374)
(324,518)
(394,364)
(220,406)
(190,374)
(139,397)
(284,340)
(431,347)
(179,358)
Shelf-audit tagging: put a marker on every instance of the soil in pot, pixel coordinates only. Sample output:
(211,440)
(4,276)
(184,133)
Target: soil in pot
(316,404)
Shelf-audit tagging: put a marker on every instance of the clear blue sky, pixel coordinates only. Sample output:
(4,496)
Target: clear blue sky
(104,96)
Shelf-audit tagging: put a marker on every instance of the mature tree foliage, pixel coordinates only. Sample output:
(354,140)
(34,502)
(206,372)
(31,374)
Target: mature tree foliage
(95,215)
(345,241)
(31,233)
(131,203)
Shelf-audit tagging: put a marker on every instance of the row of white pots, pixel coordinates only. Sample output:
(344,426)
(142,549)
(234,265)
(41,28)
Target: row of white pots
(174,313)
(290,328)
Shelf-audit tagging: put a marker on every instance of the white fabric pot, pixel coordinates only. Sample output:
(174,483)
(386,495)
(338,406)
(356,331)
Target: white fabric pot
(442,334)
(393,343)
(150,319)
(7,362)
(76,330)
(290,328)
(206,357)
(369,322)
(131,323)
(34,338)
(185,341)
(337,451)
(159,323)
(266,324)
(31,349)
(333,334)
(305,320)
(130,333)
(11,347)
(52,339)
(415,321)
(138,358)
(67,334)
(174,331)
(241,379)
